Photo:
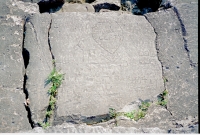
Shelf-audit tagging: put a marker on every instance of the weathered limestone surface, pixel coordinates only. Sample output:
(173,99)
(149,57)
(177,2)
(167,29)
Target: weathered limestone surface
(107,62)
(176,58)
(40,63)
(13,116)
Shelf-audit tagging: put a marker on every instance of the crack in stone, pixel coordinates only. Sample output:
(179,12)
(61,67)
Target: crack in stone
(184,33)
(26,58)
(49,41)
(156,44)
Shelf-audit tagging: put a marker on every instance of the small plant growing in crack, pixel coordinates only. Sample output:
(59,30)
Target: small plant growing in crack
(135,114)
(44,125)
(162,98)
(144,106)
(113,114)
(55,78)
(138,114)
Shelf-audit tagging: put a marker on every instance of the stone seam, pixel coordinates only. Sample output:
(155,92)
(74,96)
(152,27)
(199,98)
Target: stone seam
(25,78)
(184,34)
(156,43)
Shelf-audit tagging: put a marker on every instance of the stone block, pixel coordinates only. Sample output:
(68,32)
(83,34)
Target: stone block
(107,62)
(13,116)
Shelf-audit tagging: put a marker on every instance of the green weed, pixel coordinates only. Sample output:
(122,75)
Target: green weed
(130,114)
(138,114)
(144,106)
(55,79)
(112,113)
(162,98)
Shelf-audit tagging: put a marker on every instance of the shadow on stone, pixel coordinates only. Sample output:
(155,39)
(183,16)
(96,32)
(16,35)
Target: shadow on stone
(141,7)
(26,57)
(108,6)
(29,116)
(50,6)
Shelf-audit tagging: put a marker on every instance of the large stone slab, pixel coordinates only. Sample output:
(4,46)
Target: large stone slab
(13,116)
(175,57)
(40,64)
(107,62)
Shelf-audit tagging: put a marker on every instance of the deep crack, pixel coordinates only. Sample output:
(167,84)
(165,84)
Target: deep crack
(49,41)
(26,57)
(156,46)
(184,32)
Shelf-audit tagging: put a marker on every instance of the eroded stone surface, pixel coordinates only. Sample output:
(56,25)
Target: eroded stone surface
(107,62)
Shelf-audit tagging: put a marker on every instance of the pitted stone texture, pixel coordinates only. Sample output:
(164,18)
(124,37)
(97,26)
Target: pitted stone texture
(40,64)
(19,8)
(13,116)
(29,8)
(107,62)
(182,78)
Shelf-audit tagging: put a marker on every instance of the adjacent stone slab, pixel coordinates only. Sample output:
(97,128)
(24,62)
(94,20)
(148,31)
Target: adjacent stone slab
(182,77)
(13,116)
(40,63)
(107,62)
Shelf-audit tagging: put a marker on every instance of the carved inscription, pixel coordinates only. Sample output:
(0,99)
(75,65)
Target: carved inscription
(108,35)
(106,63)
